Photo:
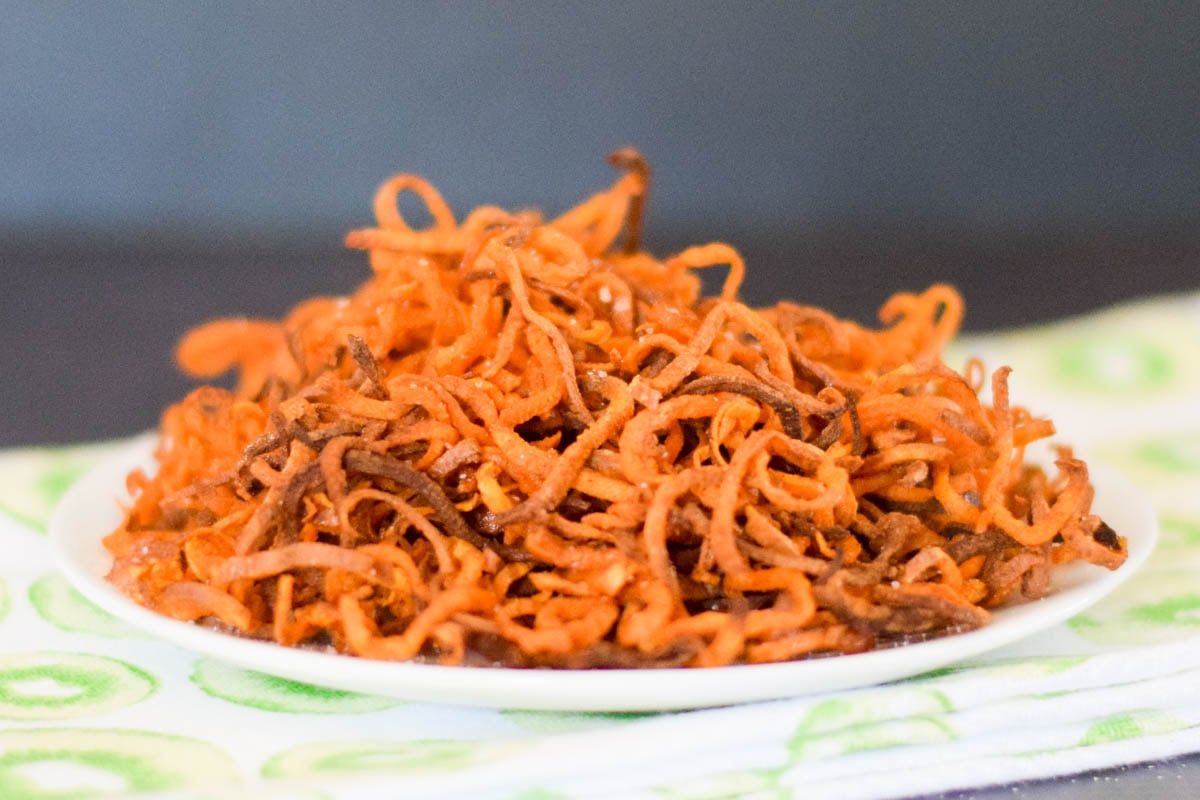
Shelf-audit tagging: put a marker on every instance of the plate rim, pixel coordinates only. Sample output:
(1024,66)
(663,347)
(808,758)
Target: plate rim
(606,690)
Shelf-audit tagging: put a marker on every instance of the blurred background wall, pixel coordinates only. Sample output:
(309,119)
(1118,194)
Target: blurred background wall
(161,163)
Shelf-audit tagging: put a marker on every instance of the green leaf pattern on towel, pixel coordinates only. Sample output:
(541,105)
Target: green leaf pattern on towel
(1156,605)
(252,791)
(1113,364)
(1106,358)
(57,602)
(1180,538)
(1131,725)
(417,756)
(869,708)
(749,784)
(916,730)
(548,722)
(1008,669)
(1172,454)
(69,763)
(33,481)
(270,693)
(1166,467)
(48,686)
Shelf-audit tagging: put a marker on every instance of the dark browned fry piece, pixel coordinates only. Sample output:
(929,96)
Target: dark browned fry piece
(627,158)
(972,544)
(966,425)
(775,558)
(606,655)
(266,442)
(423,486)
(1106,536)
(888,537)
(1081,536)
(833,567)
(945,611)
(296,430)
(817,374)
(579,307)
(345,427)
(1036,582)
(1002,576)
(855,425)
(806,403)
(789,415)
(830,434)
(304,480)
(838,594)
(361,354)
(480,275)
(655,362)
(465,452)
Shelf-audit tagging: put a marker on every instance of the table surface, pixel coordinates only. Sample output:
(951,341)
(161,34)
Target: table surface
(89,328)
(1175,779)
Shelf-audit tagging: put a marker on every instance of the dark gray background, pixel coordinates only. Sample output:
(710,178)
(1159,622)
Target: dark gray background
(164,163)
(161,163)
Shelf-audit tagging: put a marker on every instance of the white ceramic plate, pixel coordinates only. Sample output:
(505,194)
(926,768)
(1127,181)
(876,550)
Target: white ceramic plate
(90,510)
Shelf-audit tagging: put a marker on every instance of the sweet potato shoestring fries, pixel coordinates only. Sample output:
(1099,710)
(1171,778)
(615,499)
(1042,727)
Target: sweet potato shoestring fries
(529,443)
